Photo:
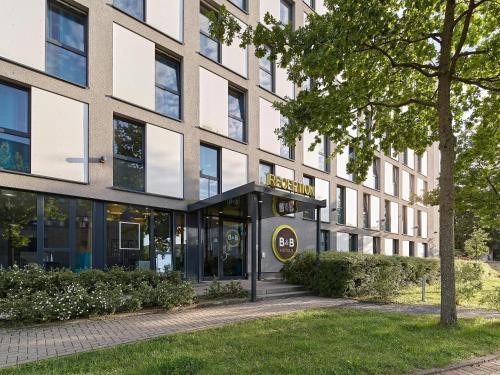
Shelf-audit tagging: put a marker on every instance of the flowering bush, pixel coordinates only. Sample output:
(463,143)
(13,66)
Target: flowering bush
(32,294)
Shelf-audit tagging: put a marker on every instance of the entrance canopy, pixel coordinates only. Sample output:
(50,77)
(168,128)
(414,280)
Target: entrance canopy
(268,199)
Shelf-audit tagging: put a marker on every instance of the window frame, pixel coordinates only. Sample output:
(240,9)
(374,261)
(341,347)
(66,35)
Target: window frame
(387,215)
(312,5)
(324,239)
(367,212)
(353,243)
(306,214)
(130,159)
(271,72)
(231,92)
(271,165)
(206,8)
(65,6)
(340,208)
(376,245)
(376,172)
(131,15)
(164,55)
(405,219)
(219,169)
(395,180)
(245,5)
(290,7)
(17,133)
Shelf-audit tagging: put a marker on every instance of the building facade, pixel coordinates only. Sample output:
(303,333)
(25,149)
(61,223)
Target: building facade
(115,115)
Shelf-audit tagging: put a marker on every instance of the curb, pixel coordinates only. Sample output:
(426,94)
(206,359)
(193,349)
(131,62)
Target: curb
(466,363)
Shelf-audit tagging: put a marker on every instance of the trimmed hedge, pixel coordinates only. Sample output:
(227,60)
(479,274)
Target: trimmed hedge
(358,275)
(32,294)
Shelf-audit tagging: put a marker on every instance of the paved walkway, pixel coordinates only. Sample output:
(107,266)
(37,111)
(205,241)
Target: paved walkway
(489,365)
(45,341)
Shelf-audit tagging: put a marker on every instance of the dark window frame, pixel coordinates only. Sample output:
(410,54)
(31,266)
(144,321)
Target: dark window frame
(309,214)
(245,5)
(241,96)
(366,211)
(144,7)
(218,178)
(341,198)
(353,243)
(271,73)
(405,219)
(290,7)
(387,216)
(128,159)
(69,8)
(395,246)
(203,10)
(325,239)
(376,245)
(17,133)
(312,5)
(271,165)
(163,55)
(395,180)
(376,172)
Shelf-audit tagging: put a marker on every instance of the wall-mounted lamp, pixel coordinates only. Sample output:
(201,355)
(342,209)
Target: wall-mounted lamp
(102,159)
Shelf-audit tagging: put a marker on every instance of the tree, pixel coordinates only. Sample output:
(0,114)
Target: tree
(477,245)
(405,73)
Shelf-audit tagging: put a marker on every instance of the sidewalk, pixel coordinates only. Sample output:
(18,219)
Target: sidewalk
(488,365)
(53,340)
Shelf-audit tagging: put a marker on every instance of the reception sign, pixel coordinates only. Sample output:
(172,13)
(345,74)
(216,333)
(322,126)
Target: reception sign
(285,243)
(289,185)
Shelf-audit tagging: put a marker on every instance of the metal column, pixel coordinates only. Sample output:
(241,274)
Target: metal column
(259,240)
(318,233)
(253,213)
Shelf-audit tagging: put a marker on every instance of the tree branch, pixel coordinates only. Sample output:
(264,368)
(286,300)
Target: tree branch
(403,103)
(463,35)
(481,82)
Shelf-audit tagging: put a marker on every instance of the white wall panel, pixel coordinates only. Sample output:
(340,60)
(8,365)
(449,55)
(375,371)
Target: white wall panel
(388,186)
(22,30)
(374,212)
(388,246)
(133,67)
(167,16)
(410,220)
(213,102)
(322,191)
(370,178)
(342,242)
(420,250)
(164,162)
(420,189)
(320,7)
(406,249)
(269,6)
(342,159)
(284,87)
(284,172)
(394,218)
(424,223)
(351,206)
(234,57)
(234,169)
(367,245)
(313,158)
(424,163)
(411,158)
(269,121)
(59,136)
(405,177)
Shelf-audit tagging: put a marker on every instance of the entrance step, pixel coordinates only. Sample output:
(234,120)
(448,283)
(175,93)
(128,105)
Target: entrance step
(278,289)
(266,297)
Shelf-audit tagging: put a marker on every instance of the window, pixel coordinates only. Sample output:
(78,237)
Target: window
(209,172)
(128,155)
(405,156)
(376,173)
(419,223)
(310,3)
(286,151)
(264,170)
(376,245)
(209,46)
(267,71)
(366,211)
(15,152)
(340,205)
(395,246)
(236,115)
(66,49)
(285,12)
(405,220)
(353,242)
(426,249)
(395,180)
(167,86)
(324,240)
(242,4)
(308,214)
(411,249)
(351,155)
(135,8)
(387,216)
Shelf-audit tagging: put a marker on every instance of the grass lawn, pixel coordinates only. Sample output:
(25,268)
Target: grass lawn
(324,341)
(413,295)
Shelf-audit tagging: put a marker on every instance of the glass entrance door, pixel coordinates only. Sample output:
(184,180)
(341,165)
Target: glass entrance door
(233,249)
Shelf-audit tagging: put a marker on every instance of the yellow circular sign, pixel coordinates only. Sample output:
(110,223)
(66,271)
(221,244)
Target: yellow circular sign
(285,243)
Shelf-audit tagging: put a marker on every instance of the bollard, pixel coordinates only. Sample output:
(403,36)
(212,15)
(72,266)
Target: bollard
(423,287)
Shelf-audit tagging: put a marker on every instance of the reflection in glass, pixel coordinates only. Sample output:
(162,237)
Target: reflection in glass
(209,172)
(264,170)
(180,241)
(66,64)
(135,8)
(14,153)
(83,232)
(163,241)
(56,223)
(236,112)
(232,248)
(167,86)
(212,248)
(18,223)
(266,71)
(209,46)
(128,232)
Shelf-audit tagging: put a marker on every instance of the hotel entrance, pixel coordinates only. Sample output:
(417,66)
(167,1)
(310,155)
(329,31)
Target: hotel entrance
(225,250)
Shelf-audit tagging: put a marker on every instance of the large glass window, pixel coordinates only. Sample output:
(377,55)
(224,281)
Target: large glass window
(56,240)
(209,46)
(310,3)
(66,43)
(266,71)
(366,211)
(376,173)
(209,172)
(83,235)
(286,151)
(18,218)
(128,236)
(264,170)
(128,155)
(236,114)
(405,220)
(242,4)
(324,242)
(14,128)
(135,8)
(180,242)
(168,86)
(387,216)
(353,242)
(340,205)
(285,12)
(395,180)
(163,241)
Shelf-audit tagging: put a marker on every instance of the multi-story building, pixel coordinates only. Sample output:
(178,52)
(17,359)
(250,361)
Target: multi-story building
(116,115)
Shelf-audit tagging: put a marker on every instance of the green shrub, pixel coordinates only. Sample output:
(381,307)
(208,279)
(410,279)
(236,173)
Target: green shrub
(358,275)
(492,298)
(468,280)
(232,289)
(32,294)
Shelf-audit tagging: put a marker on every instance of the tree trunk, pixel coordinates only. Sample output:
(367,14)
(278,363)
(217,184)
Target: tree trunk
(447,143)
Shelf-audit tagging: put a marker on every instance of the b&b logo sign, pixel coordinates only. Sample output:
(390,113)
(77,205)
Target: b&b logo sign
(285,243)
